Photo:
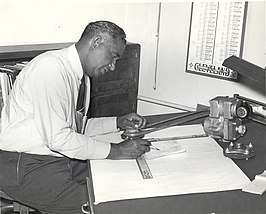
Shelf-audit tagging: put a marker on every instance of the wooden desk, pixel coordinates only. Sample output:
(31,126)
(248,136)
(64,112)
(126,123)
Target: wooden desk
(227,202)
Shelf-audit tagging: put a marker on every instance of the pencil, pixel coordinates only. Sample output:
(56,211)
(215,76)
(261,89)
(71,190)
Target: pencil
(154,148)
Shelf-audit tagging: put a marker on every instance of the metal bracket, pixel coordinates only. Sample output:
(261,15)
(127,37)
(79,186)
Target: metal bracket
(239,151)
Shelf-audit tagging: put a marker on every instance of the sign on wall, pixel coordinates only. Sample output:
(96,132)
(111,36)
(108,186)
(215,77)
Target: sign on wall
(216,32)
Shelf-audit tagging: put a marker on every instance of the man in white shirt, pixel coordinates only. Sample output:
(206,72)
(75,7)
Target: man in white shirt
(42,152)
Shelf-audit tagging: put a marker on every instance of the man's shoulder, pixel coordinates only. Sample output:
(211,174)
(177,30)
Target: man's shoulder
(54,55)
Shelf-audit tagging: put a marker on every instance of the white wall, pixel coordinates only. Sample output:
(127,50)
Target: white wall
(39,21)
(177,86)
(33,22)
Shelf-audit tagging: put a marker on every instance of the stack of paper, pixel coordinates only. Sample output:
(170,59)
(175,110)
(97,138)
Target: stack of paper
(258,185)
(164,148)
(201,168)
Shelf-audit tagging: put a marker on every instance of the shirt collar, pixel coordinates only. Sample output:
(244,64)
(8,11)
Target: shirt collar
(75,61)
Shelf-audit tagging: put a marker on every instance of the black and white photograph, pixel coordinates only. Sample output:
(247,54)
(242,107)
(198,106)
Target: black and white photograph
(132,107)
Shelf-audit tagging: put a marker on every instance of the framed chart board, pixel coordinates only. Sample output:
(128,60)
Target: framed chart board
(216,32)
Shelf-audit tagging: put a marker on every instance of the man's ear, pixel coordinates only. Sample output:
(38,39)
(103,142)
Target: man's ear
(97,41)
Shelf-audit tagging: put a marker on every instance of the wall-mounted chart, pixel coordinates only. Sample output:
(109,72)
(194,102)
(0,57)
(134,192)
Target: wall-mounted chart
(216,33)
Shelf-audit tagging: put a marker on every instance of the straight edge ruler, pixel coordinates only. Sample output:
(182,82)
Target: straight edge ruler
(144,168)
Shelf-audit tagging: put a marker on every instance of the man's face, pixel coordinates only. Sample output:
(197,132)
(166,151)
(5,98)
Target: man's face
(103,58)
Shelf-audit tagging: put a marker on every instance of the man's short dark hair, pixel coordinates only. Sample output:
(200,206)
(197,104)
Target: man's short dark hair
(94,28)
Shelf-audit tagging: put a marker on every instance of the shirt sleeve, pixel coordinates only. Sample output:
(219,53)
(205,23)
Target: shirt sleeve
(53,106)
(101,125)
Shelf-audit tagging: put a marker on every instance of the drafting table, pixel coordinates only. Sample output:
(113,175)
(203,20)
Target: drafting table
(233,202)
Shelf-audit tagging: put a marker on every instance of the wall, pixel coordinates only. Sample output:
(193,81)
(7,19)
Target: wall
(33,22)
(30,22)
(174,84)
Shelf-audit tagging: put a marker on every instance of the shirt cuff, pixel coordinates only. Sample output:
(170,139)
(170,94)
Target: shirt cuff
(102,125)
(100,150)
(110,124)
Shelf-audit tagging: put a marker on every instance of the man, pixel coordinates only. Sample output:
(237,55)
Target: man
(42,155)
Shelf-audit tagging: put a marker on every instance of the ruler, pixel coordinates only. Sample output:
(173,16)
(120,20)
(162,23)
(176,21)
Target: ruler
(176,138)
(144,168)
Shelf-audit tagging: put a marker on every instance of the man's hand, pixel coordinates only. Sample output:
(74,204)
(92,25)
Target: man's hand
(129,149)
(131,120)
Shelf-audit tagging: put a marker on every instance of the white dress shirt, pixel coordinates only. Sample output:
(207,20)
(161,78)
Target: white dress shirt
(40,115)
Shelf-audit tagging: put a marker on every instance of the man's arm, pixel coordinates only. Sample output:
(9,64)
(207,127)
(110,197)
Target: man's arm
(130,149)
(54,113)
